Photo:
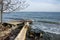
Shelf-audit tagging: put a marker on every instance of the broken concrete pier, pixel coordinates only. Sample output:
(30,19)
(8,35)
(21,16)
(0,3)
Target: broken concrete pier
(14,30)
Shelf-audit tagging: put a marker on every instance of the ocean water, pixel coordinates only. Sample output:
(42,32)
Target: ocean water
(45,21)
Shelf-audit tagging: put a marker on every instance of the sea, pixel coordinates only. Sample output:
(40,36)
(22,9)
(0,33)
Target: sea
(45,21)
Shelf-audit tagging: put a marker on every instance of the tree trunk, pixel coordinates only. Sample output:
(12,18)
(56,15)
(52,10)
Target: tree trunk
(1,10)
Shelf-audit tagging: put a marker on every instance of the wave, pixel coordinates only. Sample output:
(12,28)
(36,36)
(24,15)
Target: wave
(51,22)
(51,28)
(34,20)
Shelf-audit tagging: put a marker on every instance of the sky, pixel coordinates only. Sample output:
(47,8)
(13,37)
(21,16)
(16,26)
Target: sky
(43,6)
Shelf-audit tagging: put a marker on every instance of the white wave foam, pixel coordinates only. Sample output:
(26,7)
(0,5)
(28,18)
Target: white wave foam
(55,30)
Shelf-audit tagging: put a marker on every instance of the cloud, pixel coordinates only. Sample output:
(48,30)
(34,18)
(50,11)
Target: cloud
(50,1)
(43,6)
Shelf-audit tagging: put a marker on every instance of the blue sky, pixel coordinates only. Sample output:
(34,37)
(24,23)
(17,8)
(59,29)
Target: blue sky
(43,6)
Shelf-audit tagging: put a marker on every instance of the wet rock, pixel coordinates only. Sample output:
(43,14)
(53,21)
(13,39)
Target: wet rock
(41,35)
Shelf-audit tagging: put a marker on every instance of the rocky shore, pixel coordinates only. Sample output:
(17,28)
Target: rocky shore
(41,35)
(31,34)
